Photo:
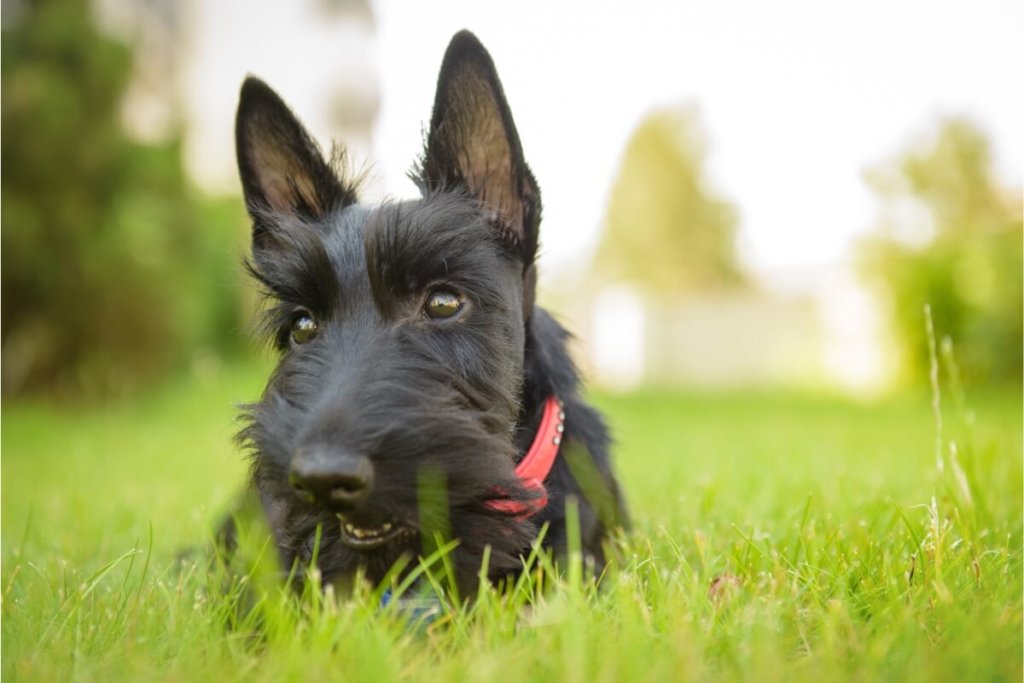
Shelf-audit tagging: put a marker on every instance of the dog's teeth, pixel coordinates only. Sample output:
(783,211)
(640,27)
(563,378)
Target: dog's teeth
(366,534)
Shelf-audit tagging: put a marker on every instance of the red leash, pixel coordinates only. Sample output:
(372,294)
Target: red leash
(537,463)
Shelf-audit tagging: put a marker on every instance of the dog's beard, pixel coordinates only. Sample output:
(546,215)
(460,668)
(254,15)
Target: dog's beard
(312,532)
(317,535)
(435,471)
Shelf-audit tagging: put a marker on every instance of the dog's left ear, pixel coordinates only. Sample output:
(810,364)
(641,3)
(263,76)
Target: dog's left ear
(473,144)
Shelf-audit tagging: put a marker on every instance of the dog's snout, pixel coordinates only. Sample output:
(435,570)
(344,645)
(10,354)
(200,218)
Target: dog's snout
(331,476)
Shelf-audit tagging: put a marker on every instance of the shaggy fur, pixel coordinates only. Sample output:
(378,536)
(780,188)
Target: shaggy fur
(440,409)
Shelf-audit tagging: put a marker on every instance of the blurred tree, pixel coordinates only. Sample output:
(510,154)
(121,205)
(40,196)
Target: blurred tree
(666,231)
(110,272)
(950,236)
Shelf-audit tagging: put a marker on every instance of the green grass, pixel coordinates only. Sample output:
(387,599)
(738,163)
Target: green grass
(847,554)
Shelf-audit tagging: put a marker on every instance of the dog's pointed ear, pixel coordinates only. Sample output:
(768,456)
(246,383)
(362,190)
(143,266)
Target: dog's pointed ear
(473,144)
(281,167)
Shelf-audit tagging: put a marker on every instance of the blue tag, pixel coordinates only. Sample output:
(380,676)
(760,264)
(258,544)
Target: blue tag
(423,609)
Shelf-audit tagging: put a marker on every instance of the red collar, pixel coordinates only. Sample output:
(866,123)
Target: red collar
(535,466)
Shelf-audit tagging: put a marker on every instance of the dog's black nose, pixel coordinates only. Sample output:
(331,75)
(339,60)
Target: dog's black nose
(331,476)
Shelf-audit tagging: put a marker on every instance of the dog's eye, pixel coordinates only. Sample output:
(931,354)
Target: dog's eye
(442,304)
(303,329)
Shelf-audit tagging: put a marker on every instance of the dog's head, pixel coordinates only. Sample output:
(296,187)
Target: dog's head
(400,329)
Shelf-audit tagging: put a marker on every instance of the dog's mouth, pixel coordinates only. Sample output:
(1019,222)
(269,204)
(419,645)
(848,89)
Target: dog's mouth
(368,538)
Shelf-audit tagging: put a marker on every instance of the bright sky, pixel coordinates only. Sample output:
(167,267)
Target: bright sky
(797,97)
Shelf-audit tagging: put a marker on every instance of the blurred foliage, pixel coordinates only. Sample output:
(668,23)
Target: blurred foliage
(114,270)
(950,236)
(666,230)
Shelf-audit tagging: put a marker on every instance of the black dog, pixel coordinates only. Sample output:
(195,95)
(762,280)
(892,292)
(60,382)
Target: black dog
(415,371)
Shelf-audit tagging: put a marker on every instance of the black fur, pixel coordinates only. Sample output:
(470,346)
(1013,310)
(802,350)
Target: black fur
(440,409)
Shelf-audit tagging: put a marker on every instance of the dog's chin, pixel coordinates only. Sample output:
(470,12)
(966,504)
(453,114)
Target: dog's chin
(358,536)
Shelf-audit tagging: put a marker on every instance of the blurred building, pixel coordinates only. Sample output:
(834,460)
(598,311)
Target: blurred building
(192,57)
(807,328)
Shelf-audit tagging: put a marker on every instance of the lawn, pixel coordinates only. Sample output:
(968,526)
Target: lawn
(842,550)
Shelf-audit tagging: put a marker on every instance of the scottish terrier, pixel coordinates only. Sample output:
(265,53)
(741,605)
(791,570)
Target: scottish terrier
(420,392)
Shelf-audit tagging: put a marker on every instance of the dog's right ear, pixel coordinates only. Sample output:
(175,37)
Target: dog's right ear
(281,167)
